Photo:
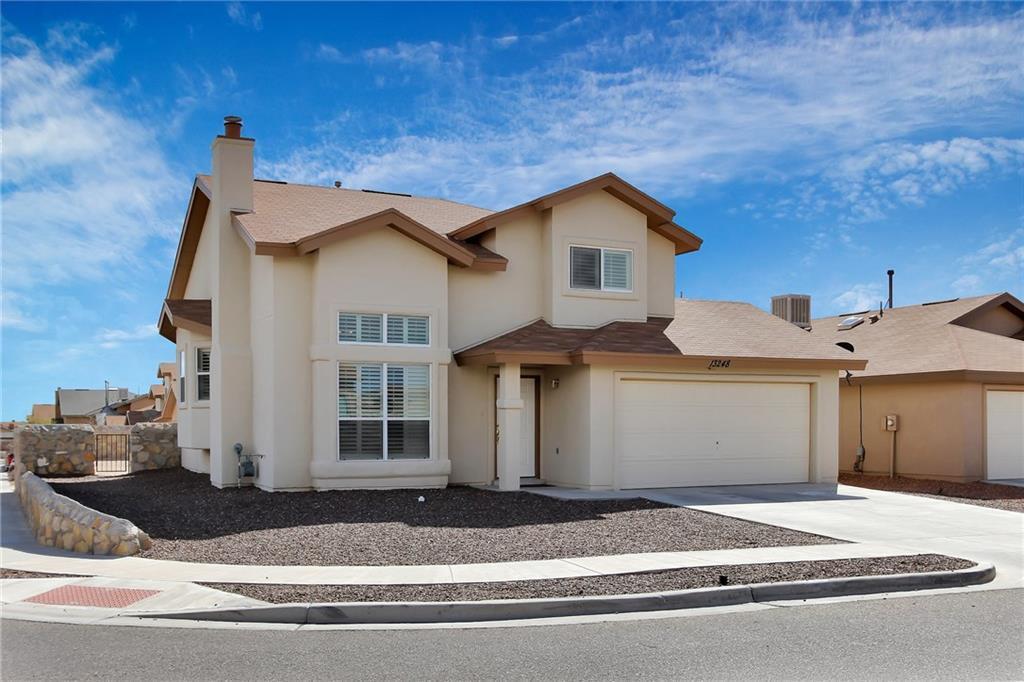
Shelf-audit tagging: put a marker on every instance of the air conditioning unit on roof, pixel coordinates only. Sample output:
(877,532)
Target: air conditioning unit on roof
(795,308)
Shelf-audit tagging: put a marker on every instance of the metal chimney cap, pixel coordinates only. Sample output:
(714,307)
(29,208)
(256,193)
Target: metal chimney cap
(232,126)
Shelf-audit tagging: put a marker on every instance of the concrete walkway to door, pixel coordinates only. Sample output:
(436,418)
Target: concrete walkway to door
(908,524)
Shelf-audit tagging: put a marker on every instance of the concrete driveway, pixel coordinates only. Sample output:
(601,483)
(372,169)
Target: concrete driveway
(886,520)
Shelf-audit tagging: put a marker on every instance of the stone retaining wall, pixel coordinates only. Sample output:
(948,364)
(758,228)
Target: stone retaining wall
(155,446)
(67,448)
(59,521)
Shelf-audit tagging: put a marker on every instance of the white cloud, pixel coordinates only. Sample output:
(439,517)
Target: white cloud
(997,265)
(86,187)
(112,338)
(872,181)
(858,297)
(241,16)
(697,109)
(967,284)
(13,316)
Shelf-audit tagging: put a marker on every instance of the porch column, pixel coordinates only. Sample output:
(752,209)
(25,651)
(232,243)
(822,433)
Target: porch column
(510,410)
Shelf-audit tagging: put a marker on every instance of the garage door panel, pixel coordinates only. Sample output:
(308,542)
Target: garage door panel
(1004,437)
(676,433)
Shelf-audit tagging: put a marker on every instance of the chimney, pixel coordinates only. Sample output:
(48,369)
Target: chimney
(233,126)
(890,273)
(232,167)
(794,308)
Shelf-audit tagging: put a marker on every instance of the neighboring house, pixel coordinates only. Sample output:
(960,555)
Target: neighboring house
(951,372)
(167,401)
(42,413)
(362,339)
(82,405)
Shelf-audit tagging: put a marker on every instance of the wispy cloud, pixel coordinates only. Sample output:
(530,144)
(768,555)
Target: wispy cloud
(858,297)
(113,338)
(695,110)
(998,264)
(81,209)
(238,14)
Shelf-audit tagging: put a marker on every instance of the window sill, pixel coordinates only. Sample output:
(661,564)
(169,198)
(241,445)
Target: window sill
(392,468)
(598,294)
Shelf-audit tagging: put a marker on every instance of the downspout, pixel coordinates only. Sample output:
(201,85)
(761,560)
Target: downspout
(858,463)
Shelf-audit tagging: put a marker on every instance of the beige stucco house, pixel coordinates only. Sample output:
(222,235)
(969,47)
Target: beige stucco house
(365,339)
(952,374)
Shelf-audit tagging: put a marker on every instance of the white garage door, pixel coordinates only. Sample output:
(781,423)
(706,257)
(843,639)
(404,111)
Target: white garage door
(1004,437)
(683,433)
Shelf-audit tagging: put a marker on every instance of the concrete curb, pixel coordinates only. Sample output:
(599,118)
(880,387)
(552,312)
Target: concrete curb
(380,613)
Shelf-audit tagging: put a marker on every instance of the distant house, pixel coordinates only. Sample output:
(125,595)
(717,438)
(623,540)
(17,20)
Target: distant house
(951,373)
(42,413)
(166,392)
(82,405)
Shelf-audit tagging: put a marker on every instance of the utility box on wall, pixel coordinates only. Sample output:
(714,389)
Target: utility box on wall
(891,422)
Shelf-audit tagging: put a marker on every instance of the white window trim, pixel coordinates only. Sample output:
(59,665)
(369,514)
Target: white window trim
(183,366)
(384,330)
(600,268)
(384,409)
(195,374)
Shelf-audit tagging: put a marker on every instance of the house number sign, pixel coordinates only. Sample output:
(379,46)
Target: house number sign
(715,364)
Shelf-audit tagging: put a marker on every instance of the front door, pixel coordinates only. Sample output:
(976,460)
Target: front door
(528,435)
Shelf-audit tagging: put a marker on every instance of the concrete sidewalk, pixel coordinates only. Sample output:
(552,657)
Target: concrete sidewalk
(908,524)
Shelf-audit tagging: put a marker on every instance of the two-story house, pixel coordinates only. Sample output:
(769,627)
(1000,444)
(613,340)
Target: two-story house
(357,339)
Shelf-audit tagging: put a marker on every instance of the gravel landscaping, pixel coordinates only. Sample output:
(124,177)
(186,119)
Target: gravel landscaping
(1006,497)
(628,583)
(190,520)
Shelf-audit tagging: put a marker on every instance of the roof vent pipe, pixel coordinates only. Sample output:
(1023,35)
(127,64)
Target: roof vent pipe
(890,273)
(233,126)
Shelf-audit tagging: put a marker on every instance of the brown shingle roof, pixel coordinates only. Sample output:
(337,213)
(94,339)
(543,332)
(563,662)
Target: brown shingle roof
(285,213)
(920,339)
(700,329)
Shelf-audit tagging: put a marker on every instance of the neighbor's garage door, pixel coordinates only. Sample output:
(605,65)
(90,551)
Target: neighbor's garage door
(1004,438)
(683,433)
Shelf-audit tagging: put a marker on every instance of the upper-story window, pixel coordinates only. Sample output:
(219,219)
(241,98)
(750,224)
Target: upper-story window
(384,328)
(599,269)
(202,374)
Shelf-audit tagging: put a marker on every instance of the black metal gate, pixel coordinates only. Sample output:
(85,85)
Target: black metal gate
(112,453)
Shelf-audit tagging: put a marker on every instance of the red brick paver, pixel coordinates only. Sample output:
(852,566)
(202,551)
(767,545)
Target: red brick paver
(83,595)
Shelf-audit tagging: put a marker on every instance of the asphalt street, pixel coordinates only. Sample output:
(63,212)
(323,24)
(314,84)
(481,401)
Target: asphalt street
(975,635)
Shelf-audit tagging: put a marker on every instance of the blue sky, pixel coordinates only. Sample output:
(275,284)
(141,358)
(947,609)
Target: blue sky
(811,146)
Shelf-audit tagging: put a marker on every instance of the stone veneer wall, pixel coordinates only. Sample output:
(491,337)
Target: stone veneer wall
(68,448)
(59,521)
(154,445)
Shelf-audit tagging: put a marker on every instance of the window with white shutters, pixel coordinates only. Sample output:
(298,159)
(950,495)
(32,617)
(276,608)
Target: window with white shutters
(383,411)
(616,270)
(202,373)
(360,328)
(182,367)
(379,328)
(600,269)
(584,267)
(409,330)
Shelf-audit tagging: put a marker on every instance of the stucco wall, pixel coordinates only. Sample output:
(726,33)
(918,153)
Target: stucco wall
(941,429)
(471,424)
(661,275)
(484,304)
(596,219)
(565,417)
(282,388)
(378,271)
(61,522)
